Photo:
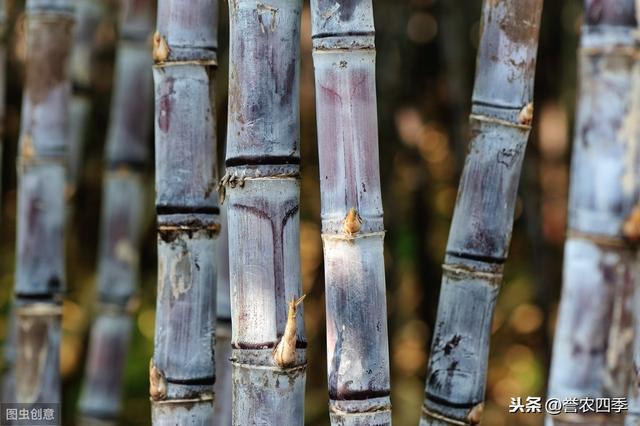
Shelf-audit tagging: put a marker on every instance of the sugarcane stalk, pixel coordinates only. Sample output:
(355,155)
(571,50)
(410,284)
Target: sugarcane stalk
(352,217)
(261,182)
(127,156)
(182,372)
(41,164)
(594,332)
(88,14)
(223,328)
(480,233)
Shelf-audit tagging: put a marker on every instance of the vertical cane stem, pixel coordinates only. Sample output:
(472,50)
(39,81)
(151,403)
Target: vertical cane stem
(182,372)
(352,225)
(127,155)
(261,181)
(480,233)
(42,160)
(594,332)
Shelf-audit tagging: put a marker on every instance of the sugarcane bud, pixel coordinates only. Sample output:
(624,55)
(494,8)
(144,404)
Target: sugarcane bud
(157,382)
(631,227)
(69,191)
(160,48)
(285,352)
(28,151)
(475,415)
(352,222)
(526,115)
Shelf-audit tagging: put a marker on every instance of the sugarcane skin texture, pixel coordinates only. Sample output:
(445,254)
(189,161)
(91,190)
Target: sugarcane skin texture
(481,228)
(262,88)
(507,54)
(275,225)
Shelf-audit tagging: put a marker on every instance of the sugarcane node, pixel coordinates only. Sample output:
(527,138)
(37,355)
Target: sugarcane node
(526,115)
(631,226)
(284,353)
(475,414)
(352,222)
(157,382)
(160,48)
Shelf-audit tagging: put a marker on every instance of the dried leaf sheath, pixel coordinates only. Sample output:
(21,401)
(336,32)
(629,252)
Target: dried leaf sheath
(185,46)
(262,192)
(594,331)
(41,164)
(482,222)
(352,226)
(123,206)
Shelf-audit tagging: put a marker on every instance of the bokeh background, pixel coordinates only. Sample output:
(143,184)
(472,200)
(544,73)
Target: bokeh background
(426,57)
